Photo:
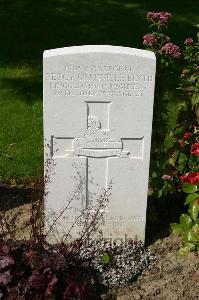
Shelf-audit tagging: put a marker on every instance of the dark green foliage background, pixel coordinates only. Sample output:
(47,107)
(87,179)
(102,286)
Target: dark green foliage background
(29,27)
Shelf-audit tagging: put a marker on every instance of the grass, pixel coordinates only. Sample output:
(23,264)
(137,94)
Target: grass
(28,27)
(21,123)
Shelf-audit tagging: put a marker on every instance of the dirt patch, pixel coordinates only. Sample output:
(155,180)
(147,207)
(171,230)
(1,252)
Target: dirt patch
(15,196)
(18,206)
(171,278)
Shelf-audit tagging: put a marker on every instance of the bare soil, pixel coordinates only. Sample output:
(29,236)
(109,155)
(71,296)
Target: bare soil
(170,278)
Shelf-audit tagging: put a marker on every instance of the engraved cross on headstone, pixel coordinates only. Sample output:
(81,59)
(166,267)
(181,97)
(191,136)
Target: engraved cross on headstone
(96,143)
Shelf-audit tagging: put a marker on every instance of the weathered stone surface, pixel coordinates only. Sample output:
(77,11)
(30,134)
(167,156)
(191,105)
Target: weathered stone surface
(98,104)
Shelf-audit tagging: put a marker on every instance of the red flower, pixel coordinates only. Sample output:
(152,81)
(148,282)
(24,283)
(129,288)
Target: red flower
(192,178)
(195,149)
(187,135)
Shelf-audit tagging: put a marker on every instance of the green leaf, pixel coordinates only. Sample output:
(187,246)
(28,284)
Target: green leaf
(193,211)
(176,229)
(160,34)
(195,228)
(190,236)
(191,197)
(162,60)
(160,193)
(182,161)
(186,221)
(195,100)
(105,258)
(186,248)
(189,188)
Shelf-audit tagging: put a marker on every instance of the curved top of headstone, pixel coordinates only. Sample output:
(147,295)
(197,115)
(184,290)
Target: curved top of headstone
(99,49)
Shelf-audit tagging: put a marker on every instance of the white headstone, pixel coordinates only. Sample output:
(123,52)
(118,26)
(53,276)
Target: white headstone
(98,106)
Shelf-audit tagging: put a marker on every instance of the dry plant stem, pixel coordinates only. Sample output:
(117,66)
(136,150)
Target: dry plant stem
(97,216)
(59,216)
(72,226)
(90,227)
(37,224)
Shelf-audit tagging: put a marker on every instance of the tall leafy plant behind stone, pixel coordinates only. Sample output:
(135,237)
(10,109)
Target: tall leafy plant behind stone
(188,227)
(166,53)
(186,156)
(189,84)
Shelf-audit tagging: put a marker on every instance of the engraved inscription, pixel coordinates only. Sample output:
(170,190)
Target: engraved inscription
(98,80)
(98,142)
(119,221)
(97,153)
(110,220)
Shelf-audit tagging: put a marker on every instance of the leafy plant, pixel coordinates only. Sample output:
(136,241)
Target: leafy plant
(166,54)
(182,156)
(185,178)
(30,270)
(82,269)
(188,228)
(175,169)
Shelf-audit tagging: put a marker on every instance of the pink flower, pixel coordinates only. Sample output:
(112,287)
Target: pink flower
(166,177)
(171,50)
(164,16)
(188,41)
(156,17)
(149,39)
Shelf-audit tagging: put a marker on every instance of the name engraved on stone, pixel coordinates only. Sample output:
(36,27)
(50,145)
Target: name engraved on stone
(84,80)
